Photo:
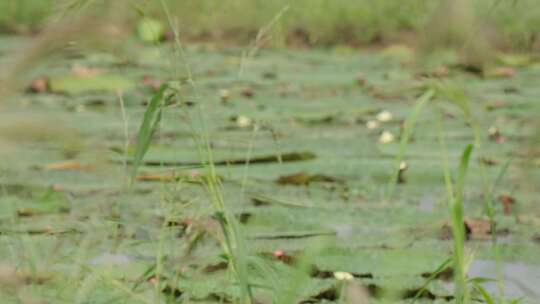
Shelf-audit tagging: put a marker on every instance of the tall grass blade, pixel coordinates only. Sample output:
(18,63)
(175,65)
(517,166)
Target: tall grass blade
(490,211)
(458,228)
(407,131)
(149,125)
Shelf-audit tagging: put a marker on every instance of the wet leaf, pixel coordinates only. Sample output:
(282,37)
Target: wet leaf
(248,92)
(507,201)
(39,85)
(399,51)
(190,176)
(216,267)
(439,72)
(475,228)
(488,161)
(516,60)
(495,135)
(66,165)
(260,200)
(152,82)
(356,293)
(360,79)
(256,159)
(282,256)
(303,179)
(501,72)
(292,235)
(330,294)
(269,75)
(85,71)
(314,119)
(495,105)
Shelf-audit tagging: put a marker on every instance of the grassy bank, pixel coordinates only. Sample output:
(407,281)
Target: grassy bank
(515,24)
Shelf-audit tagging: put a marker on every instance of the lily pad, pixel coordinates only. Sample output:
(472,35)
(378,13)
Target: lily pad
(75,85)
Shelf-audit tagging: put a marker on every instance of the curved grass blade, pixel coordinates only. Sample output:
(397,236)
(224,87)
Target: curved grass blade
(431,278)
(149,125)
(407,131)
(488,299)
(458,228)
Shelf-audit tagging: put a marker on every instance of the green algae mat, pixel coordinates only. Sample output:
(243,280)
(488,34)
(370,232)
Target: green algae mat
(305,145)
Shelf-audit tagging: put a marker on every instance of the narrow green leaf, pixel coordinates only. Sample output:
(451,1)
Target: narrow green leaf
(458,229)
(149,125)
(464,164)
(487,297)
(408,129)
(480,280)
(432,277)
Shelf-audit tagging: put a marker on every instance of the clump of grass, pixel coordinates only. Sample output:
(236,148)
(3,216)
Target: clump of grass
(456,95)
(233,243)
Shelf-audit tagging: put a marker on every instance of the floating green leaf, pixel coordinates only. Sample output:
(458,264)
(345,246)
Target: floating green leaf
(75,85)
